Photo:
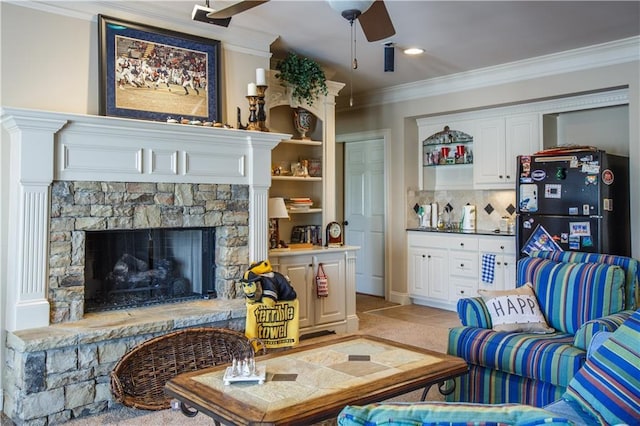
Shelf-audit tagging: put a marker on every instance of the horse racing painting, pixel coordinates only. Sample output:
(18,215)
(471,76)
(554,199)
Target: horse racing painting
(154,74)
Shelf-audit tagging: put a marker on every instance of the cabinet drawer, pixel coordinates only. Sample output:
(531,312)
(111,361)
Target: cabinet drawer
(426,239)
(464,264)
(459,242)
(498,245)
(461,288)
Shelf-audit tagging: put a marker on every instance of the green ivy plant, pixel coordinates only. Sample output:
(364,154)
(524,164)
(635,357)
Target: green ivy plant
(305,77)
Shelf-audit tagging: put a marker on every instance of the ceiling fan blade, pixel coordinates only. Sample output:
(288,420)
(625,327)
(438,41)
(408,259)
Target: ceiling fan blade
(236,8)
(376,22)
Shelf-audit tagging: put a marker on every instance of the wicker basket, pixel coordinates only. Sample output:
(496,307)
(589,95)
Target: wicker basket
(138,379)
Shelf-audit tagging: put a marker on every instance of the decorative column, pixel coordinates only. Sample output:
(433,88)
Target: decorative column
(31,174)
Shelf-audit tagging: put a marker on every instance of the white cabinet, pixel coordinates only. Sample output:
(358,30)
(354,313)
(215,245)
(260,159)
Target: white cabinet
(443,268)
(427,268)
(337,311)
(504,250)
(498,141)
(463,266)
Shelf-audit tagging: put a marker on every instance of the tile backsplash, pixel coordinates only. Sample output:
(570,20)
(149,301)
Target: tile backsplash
(490,205)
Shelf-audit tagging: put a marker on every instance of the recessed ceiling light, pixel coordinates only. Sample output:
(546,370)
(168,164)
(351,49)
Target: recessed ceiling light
(413,51)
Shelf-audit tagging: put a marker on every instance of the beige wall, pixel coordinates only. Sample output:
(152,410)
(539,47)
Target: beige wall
(400,119)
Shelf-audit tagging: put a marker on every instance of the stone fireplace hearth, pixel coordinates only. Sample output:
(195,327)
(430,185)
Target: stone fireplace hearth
(121,174)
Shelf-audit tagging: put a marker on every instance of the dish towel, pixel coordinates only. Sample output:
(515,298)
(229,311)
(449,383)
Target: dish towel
(488,267)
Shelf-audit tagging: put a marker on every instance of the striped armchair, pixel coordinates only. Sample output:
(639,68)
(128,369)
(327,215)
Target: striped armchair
(579,295)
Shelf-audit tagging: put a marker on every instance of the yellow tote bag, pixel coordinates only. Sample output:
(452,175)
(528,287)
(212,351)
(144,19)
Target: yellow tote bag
(276,326)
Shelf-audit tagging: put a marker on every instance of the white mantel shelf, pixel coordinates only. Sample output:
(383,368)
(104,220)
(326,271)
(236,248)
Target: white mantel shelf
(48,146)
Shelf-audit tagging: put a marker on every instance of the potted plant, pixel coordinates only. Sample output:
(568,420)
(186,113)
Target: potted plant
(305,77)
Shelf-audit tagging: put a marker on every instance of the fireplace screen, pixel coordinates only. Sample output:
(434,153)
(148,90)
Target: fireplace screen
(134,268)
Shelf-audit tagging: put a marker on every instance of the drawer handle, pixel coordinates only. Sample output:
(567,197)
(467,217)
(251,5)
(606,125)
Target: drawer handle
(508,177)
(505,263)
(424,256)
(462,265)
(498,263)
(461,244)
(461,291)
(501,247)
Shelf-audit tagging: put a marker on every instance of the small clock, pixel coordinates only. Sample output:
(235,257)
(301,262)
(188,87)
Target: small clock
(334,235)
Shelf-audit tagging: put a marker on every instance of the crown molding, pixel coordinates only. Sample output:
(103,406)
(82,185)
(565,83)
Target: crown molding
(596,56)
(238,38)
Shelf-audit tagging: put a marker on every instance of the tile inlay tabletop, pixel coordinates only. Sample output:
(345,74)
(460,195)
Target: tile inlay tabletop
(328,375)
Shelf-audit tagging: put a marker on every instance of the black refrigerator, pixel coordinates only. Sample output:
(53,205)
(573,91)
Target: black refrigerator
(576,200)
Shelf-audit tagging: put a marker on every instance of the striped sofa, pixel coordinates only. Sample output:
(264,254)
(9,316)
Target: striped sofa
(579,294)
(603,392)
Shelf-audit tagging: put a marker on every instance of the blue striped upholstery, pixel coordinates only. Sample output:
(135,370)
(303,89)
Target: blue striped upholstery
(489,386)
(441,413)
(608,386)
(577,299)
(609,323)
(630,266)
(549,358)
(571,294)
(473,312)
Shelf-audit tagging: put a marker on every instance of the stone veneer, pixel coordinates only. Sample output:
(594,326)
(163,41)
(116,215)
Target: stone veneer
(61,372)
(58,373)
(80,206)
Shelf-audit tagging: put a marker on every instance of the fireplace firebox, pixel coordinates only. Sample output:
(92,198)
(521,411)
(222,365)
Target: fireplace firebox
(133,268)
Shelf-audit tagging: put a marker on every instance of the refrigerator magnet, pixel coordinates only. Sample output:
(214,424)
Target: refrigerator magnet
(591,180)
(564,238)
(607,177)
(580,228)
(574,242)
(553,190)
(587,241)
(592,168)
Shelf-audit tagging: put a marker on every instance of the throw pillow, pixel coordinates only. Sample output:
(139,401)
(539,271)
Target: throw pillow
(515,310)
(606,387)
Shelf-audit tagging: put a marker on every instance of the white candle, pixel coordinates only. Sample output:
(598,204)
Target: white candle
(252,90)
(261,77)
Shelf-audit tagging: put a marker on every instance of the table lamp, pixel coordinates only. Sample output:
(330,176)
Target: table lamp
(277,210)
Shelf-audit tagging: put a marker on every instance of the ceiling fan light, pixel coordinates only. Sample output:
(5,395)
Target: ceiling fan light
(413,51)
(341,6)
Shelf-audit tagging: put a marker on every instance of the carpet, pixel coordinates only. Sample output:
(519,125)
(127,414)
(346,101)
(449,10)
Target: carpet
(411,324)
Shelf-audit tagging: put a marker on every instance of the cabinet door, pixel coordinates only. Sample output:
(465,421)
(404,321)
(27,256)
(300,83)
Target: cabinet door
(333,307)
(417,272)
(489,153)
(299,269)
(437,277)
(522,139)
(505,264)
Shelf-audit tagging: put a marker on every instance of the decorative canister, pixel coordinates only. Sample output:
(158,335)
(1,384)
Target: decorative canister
(304,122)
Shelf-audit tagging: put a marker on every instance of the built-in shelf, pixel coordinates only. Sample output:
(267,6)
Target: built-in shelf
(316,210)
(297,178)
(302,142)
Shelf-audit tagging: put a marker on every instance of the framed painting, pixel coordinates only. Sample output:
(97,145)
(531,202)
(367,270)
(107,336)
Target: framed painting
(155,74)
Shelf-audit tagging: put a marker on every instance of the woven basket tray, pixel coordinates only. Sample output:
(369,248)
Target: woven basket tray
(138,379)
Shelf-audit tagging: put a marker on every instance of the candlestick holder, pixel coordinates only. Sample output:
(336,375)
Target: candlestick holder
(262,114)
(253,118)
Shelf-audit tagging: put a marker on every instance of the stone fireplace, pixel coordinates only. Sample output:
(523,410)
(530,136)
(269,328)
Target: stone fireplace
(125,174)
(73,177)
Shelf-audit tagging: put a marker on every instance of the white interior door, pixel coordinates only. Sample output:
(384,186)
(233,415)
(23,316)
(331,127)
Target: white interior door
(365,213)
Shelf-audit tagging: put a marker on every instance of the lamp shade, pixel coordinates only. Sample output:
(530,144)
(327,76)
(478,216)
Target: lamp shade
(277,208)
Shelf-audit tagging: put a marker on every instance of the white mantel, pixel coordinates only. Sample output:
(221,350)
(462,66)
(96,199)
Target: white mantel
(48,146)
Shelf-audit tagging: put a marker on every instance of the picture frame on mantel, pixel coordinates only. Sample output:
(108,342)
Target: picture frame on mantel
(156,74)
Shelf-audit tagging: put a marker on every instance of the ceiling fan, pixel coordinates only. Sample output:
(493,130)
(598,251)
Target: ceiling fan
(372,15)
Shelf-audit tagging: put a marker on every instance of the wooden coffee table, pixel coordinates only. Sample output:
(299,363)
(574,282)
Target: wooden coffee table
(314,382)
